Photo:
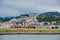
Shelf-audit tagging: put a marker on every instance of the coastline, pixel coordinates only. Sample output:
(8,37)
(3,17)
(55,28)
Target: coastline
(24,33)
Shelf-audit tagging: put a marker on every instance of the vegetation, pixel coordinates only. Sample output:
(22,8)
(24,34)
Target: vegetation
(49,16)
(23,15)
(4,19)
(37,30)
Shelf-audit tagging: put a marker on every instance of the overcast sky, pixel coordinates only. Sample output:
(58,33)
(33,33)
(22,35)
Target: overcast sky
(17,7)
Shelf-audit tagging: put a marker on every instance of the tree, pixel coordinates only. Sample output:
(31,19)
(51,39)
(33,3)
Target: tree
(48,18)
(56,27)
(25,15)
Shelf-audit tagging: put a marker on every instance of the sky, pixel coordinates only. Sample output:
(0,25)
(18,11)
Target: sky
(18,7)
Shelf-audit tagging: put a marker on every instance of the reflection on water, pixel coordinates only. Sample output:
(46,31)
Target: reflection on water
(29,37)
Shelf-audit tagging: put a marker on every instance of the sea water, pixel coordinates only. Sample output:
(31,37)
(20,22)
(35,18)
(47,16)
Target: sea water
(29,37)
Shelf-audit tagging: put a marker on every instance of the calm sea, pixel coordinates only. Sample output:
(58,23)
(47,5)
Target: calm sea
(29,37)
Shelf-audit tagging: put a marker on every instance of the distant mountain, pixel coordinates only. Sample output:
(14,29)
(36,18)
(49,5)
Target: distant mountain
(50,14)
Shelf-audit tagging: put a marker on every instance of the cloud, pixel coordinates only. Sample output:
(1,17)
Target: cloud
(17,7)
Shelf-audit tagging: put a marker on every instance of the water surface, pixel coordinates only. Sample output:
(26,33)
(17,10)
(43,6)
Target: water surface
(29,37)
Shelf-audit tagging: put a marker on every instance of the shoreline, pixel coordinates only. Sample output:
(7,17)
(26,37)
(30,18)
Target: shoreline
(23,33)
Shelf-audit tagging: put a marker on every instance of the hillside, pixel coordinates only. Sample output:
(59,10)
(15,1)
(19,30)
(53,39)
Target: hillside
(50,14)
(4,19)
